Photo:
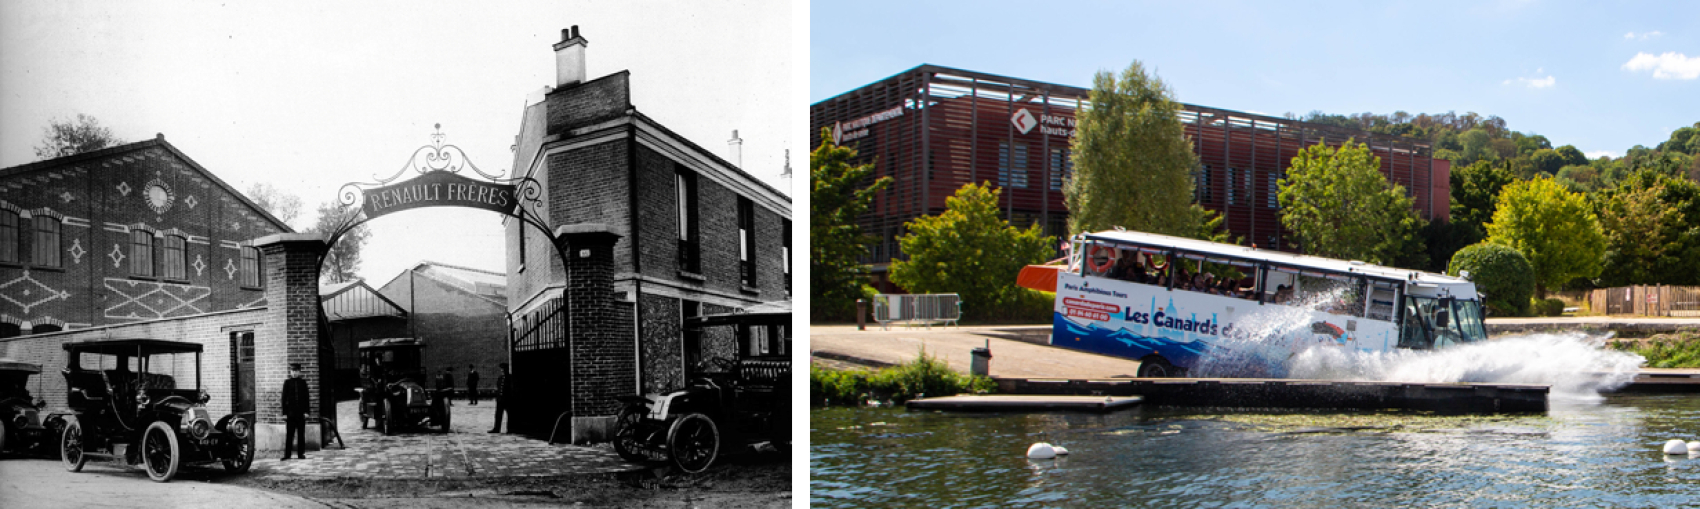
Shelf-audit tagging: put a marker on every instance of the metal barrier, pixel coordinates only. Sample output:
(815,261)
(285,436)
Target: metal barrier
(917,309)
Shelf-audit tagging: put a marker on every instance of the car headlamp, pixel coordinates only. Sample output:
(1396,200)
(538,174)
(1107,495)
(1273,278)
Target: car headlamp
(21,421)
(199,429)
(40,402)
(239,427)
(142,398)
(203,398)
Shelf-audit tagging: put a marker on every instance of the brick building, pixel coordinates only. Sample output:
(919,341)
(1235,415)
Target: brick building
(691,234)
(934,129)
(459,312)
(124,234)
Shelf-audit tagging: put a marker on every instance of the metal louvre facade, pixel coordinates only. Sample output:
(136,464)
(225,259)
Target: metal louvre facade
(934,129)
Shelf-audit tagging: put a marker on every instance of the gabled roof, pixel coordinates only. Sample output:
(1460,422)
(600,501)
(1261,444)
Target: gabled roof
(355,299)
(485,285)
(157,141)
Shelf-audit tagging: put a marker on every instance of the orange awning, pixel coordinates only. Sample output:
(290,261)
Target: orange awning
(1039,277)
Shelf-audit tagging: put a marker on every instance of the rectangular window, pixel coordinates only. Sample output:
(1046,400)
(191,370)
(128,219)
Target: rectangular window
(747,241)
(172,264)
(141,253)
(689,251)
(1233,186)
(47,246)
(1201,185)
(9,236)
(1062,168)
(1012,166)
(251,267)
(1274,199)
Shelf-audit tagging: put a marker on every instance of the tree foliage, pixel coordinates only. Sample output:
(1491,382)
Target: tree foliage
(971,251)
(1338,204)
(342,261)
(1475,189)
(69,137)
(1652,227)
(283,206)
(837,198)
(1553,227)
(1132,162)
(1501,274)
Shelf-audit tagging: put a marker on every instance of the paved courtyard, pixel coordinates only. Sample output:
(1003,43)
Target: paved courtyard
(467,451)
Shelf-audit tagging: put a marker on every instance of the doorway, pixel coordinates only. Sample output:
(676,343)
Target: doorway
(242,356)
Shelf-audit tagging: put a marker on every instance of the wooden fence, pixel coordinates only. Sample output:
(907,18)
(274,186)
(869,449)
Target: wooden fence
(1646,300)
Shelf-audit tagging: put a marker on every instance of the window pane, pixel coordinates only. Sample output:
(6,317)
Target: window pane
(47,241)
(8,236)
(141,253)
(173,254)
(250,267)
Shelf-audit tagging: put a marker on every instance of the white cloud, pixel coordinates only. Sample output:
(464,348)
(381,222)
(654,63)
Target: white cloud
(1643,36)
(1671,65)
(1600,153)
(1533,82)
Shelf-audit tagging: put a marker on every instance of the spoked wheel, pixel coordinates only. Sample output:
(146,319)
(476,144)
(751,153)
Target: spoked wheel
(693,442)
(244,451)
(160,452)
(625,434)
(71,447)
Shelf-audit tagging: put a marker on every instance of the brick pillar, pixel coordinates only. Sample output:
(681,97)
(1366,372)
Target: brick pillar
(289,333)
(603,360)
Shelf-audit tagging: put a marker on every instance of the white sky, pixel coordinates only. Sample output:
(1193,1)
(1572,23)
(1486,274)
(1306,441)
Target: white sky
(308,96)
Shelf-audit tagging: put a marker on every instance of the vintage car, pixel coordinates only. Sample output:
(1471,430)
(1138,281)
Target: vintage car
(126,406)
(390,392)
(22,428)
(743,400)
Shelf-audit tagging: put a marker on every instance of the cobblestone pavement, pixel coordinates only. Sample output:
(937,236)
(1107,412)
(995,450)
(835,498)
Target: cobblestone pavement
(467,451)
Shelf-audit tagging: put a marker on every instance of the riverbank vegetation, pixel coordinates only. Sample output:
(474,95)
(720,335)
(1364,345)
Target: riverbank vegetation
(1678,350)
(923,376)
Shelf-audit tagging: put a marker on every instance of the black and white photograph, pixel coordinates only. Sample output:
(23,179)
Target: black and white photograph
(399,254)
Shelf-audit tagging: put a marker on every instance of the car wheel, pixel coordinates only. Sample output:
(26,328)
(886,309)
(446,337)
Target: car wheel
(71,447)
(1156,367)
(693,442)
(625,434)
(388,423)
(244,456)
(160,453)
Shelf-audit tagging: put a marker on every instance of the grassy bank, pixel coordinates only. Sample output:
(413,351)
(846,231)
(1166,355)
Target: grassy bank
(926,375)
(1679,350)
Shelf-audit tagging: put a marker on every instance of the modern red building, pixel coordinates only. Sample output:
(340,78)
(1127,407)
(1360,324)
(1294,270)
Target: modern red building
(934,129)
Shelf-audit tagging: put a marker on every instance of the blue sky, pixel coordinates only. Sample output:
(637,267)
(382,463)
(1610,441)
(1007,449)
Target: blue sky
(1604,76)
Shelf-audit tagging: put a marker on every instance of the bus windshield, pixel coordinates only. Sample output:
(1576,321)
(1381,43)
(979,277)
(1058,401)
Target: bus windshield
(1439,323)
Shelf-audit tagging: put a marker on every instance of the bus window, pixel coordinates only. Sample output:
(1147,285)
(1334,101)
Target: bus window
(1468,315)
(1381,295)
(1278,285)
(1416,332)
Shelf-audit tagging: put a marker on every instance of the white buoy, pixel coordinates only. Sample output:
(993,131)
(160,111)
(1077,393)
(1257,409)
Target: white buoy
(1041,451)
(1059,450)
(1676,447)
(1694,447)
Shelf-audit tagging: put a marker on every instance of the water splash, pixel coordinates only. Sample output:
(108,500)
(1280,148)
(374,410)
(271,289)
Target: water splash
(1577,366)
(1263,344)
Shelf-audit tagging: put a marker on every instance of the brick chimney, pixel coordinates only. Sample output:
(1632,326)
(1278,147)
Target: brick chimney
(569,57)
(736,146)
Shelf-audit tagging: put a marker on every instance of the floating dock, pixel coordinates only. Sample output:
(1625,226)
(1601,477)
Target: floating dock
(1296,394)
(1664,380)
(1026,403)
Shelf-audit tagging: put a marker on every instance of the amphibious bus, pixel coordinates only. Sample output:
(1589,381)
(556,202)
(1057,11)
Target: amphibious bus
(1192,307)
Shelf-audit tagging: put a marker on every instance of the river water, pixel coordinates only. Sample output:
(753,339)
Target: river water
(1578,454)
(1587,450)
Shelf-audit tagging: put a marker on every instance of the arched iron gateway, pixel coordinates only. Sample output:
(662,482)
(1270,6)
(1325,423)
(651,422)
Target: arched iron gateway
(539,348)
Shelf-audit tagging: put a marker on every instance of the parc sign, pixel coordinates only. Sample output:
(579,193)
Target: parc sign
(438,189)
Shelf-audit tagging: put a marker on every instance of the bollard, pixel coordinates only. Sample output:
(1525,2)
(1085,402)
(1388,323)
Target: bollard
(981,364)
(861,314)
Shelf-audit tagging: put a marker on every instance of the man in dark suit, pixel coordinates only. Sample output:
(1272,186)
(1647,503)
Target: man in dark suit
(502,392)
(472,383)
(295,403)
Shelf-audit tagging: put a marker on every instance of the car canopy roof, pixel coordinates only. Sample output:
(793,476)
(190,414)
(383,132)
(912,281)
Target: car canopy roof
(17,365)
(390,343)
(133,346)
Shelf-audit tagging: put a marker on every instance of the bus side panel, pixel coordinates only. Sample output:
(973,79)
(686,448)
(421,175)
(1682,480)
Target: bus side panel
(1116,318)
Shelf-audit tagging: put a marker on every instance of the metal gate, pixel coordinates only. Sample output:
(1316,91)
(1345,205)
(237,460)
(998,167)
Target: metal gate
(541,370)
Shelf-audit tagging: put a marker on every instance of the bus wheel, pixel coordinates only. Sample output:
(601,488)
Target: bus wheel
(1157,367)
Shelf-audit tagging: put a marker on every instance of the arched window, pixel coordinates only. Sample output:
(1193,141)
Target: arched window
(8,236)
(47,238)
(141,253)
(172,263)
(46,328)
(9,330)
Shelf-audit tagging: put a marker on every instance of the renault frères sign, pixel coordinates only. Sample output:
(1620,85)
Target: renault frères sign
(438,189)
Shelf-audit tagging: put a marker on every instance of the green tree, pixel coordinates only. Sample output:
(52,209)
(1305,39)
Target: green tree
(1338,204)
(837,199)
(1132,161)
(283,206)
(1553,227)
(1502,275)
(1571,155)
(1547,161)
(969,250)
(69,137)
(1652,227)
(1475,189)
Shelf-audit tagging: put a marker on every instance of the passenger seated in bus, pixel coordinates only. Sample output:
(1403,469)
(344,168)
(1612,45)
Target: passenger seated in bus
(1231,287)
(1248,287)
(1282,293)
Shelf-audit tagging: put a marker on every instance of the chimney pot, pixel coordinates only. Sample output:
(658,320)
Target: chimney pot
(569,57)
